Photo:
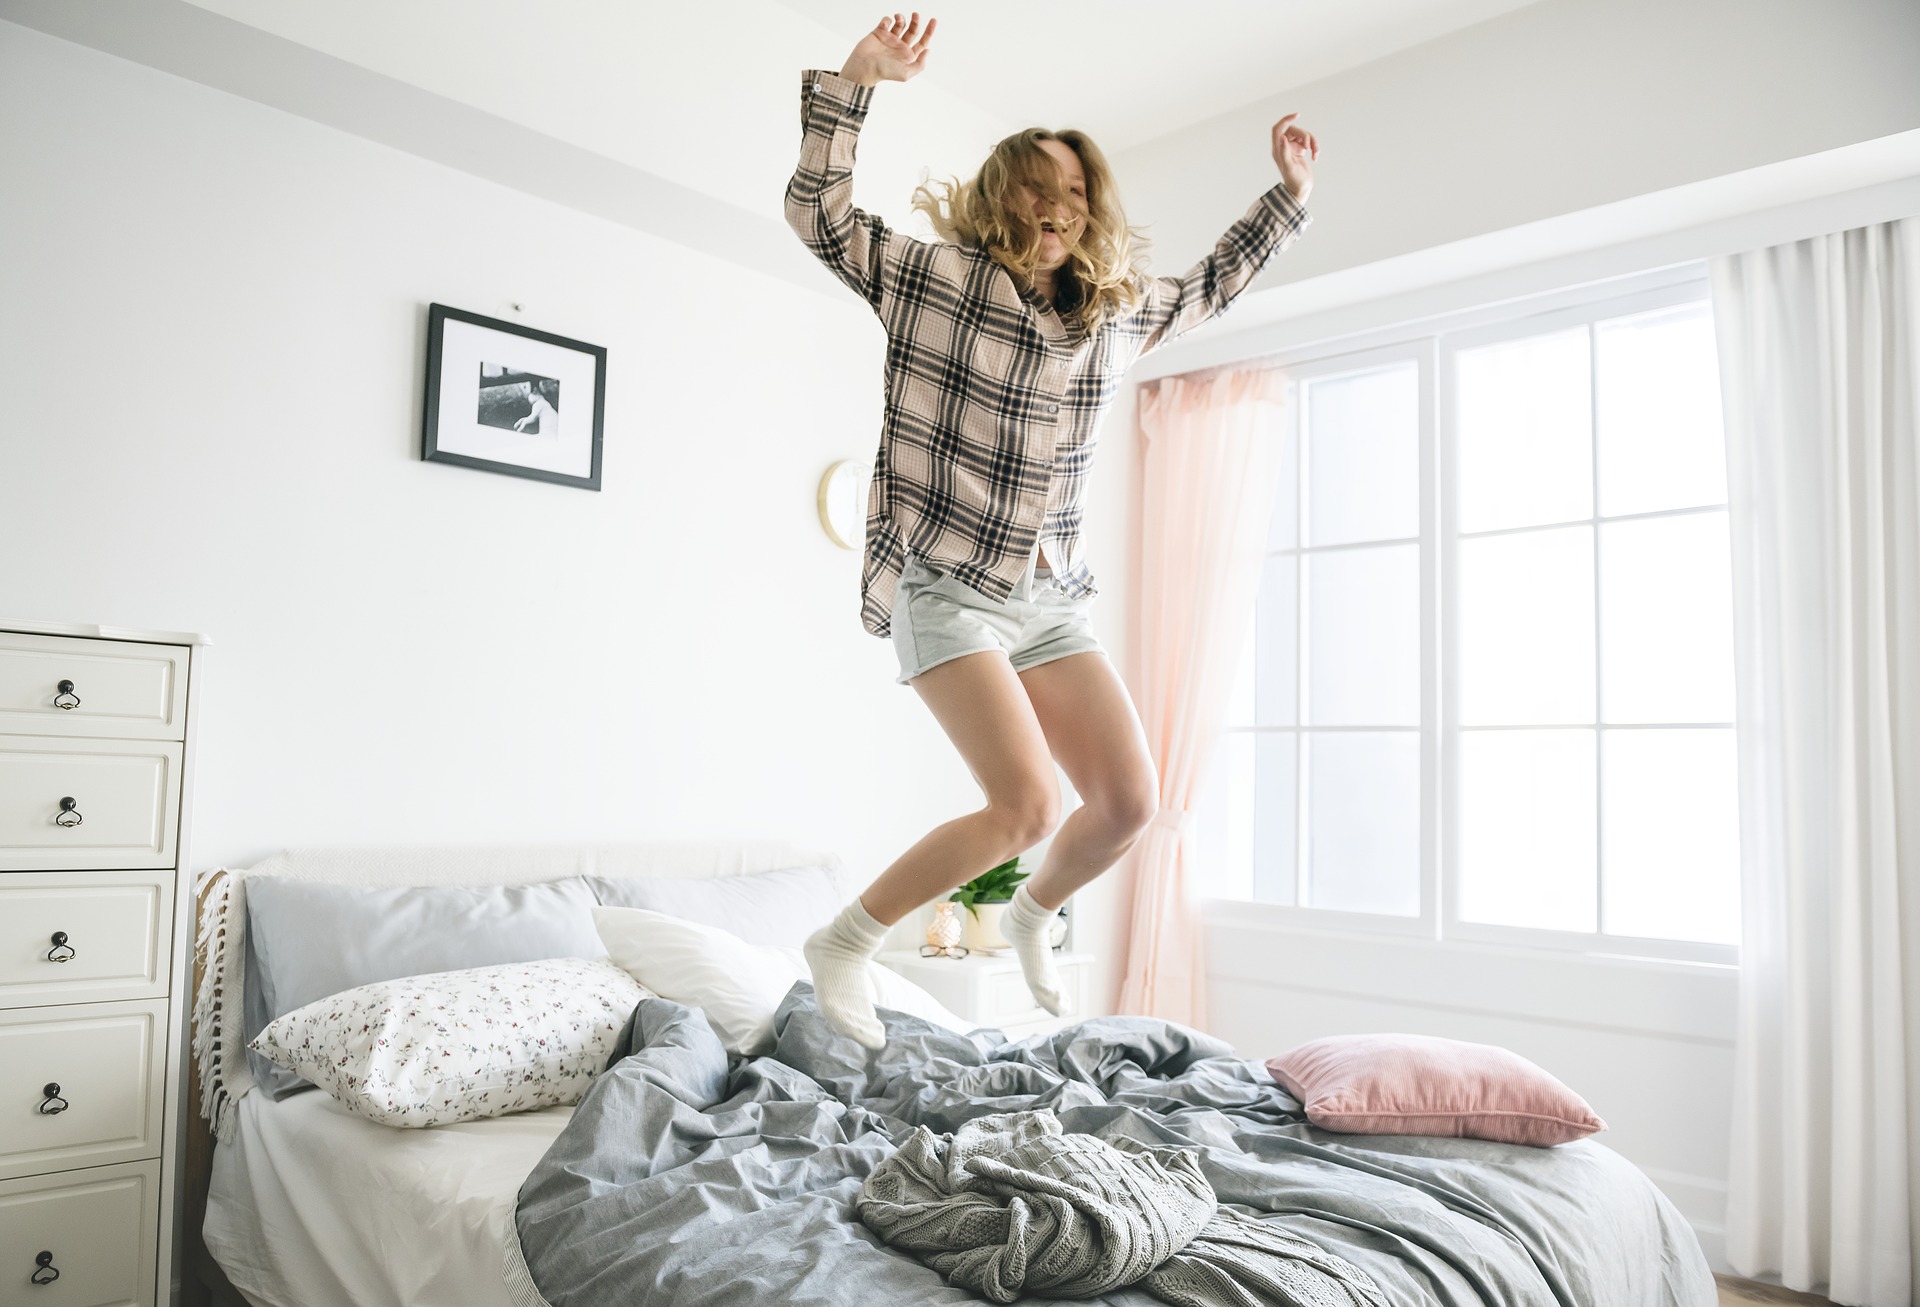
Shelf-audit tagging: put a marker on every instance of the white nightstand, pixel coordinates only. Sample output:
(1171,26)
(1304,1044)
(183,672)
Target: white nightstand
(991,990)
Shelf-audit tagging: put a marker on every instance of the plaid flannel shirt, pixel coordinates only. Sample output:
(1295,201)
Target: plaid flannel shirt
(993,399)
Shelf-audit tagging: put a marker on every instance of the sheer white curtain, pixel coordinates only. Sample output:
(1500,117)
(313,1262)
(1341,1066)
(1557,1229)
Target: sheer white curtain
(1820,364)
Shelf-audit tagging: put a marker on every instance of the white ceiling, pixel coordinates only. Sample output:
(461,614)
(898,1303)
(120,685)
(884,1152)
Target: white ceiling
(705,95)
(1127,71)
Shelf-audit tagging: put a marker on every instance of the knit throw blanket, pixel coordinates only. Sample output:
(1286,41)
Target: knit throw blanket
(1011,1205)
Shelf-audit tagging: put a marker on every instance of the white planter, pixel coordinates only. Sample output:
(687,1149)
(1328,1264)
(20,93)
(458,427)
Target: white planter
(982,934)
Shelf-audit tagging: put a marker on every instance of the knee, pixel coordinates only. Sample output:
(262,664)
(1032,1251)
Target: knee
(1029,814)
(1127,809)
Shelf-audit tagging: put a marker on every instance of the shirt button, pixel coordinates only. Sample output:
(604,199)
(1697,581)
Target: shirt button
(1053,408)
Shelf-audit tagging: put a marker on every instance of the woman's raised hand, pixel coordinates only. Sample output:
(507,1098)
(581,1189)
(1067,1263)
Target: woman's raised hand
(1295,149)
(894,51)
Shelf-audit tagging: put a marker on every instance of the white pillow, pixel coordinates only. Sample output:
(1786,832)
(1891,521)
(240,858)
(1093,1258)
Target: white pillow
(459,1045)
(738,985)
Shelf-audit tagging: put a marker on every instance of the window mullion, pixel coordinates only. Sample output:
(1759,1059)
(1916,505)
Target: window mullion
(1300,506)
(1599,674)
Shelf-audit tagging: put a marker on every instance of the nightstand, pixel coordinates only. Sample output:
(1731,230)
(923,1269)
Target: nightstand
(991,990)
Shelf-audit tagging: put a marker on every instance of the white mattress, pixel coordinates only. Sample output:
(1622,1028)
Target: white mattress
(312,1206)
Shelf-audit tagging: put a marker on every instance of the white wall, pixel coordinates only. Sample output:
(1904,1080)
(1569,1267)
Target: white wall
(1554,108)
(215,320)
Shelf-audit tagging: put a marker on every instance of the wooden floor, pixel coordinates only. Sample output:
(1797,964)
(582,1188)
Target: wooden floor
(1738,1293)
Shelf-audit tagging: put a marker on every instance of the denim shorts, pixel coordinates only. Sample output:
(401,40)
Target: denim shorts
(937,619)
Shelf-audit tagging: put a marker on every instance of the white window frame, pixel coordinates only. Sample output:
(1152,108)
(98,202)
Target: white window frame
(1435,345)
(1424,924)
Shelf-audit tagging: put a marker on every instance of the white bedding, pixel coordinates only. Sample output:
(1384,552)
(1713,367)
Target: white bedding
(313,1206)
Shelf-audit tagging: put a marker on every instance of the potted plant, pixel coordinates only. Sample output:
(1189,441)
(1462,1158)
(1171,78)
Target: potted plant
(985,898)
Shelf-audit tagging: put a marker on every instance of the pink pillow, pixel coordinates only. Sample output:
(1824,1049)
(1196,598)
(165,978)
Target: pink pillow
(1421,1085)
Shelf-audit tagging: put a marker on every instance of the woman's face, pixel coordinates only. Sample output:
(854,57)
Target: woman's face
(1061,228)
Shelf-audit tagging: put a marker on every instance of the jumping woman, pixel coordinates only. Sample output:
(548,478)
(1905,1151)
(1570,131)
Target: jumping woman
(1006,341)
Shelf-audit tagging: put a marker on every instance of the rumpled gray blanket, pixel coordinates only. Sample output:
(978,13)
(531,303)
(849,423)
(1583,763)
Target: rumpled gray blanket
(690,1179)
(1010,1204)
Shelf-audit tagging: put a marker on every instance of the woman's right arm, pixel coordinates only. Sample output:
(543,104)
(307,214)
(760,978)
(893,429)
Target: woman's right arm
(833,106)
(820,205)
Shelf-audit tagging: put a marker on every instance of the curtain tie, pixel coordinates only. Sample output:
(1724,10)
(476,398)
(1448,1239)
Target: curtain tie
(1177,820)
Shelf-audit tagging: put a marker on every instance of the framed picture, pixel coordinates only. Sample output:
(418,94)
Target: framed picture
(506,398)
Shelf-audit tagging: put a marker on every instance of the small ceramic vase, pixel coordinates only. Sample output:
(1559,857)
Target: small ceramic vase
(943,932)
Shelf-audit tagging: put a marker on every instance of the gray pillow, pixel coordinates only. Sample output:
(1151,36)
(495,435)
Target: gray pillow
(307,940)
(780,908)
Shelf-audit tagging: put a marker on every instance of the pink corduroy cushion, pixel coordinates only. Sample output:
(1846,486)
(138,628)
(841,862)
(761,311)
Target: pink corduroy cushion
(1421,1085)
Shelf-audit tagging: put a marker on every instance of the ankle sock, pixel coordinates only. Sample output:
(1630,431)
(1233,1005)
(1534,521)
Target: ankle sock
(838,954)
(1027,926)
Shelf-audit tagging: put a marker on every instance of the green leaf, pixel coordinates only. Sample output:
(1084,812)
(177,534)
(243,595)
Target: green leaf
(995,885)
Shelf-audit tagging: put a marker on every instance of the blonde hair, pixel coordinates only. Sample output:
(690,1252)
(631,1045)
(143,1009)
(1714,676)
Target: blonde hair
(1106,266)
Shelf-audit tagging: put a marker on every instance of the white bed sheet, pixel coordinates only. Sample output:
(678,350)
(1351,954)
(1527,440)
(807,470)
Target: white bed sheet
(311,1206)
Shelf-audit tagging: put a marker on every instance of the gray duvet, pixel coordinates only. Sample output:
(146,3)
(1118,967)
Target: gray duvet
(688,1179)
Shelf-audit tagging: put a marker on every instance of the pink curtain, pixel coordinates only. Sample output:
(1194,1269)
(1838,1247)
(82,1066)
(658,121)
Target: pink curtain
(1212,460)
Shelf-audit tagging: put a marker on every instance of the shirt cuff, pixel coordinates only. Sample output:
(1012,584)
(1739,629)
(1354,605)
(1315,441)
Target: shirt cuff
(847,98)
(1279,204)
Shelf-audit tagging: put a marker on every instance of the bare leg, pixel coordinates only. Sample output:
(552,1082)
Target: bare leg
(982,705)
(983,708)
(1092,729)
(1094,733)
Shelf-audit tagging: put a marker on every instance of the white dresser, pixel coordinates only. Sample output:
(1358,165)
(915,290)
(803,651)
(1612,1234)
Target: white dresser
(96,763)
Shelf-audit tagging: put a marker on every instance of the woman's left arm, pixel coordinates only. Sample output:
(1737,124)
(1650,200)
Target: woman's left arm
(1174,305)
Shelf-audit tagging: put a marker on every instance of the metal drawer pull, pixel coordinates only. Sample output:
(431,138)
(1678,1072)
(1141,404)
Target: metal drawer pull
(61,950)
(69,814)
(48,1272)
(67,699)
(53,1104)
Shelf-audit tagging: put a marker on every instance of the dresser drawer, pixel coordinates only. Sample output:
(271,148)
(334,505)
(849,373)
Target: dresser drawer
(108,1063)
(100,1227)
(117,927)
(119,690)
(124,795)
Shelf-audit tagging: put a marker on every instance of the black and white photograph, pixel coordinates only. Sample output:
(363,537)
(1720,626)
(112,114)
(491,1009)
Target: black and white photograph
(519,401)
(494,399)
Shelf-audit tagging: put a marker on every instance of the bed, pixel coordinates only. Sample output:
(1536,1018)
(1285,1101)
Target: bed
(689,1177)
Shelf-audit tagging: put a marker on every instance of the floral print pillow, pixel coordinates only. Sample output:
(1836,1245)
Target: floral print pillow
(459,1045)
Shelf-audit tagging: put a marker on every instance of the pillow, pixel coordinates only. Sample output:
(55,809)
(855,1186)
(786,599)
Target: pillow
(459,1045)
(306,940)
(1422,1085)
(738,985)
(762,907)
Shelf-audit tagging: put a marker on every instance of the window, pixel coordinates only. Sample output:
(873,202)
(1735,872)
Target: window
(1488,692)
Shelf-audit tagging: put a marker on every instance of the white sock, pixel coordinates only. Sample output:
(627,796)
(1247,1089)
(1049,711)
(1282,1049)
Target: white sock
(838,954)
(1027,926)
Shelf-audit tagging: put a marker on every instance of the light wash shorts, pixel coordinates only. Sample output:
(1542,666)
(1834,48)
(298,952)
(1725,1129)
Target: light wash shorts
(937,619)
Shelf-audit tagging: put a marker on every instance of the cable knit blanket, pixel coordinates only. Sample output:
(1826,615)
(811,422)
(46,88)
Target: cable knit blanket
(1010,1205)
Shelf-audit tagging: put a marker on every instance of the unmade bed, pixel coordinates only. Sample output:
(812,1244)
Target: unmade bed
(691,1177)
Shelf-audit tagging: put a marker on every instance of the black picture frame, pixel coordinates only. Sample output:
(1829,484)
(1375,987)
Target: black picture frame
(438,316)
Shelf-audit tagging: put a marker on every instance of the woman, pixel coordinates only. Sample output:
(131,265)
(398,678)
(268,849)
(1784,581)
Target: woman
(1006,341)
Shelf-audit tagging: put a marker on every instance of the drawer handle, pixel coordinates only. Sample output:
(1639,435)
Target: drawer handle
(67,699)
(69,814)
(48,1272)
(52,1104)
(61,950)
